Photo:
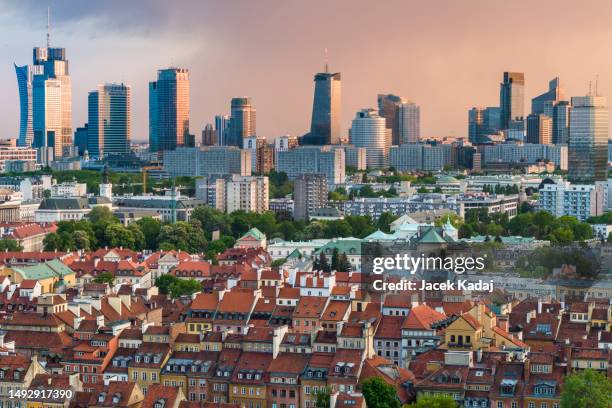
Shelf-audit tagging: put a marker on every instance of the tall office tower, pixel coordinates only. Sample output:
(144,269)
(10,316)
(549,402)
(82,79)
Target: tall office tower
(476,125)
(409,123)
(80,139)
(326,110)
(560,122)
(388,108)
(209,136)
(25,78)
(109,120)
(169,109)
(222,128)
(539,129)
(243,121)
(588,139)
(370,131)
(309,194)
(543,103)
(313,159)
(492,119)
(511,98)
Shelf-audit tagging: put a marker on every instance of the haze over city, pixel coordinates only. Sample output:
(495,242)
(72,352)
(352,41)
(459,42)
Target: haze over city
(446,56)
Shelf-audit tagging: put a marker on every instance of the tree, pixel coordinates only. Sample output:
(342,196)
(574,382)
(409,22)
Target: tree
(163,283)
(321,264)
(441,401)
(116,235)
(323,397)
(182,287)
(105,277)
(334,259)
(7,244)
(586,389)
(81,240)
(343,263)
(52,242)
(150,228)
(138,235)
(379,394)
(385,220)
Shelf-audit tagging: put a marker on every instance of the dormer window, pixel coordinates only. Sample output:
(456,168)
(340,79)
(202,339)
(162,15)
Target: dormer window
(101,397)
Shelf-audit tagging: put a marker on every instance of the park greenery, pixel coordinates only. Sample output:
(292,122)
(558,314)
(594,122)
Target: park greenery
(379,394)
(176,287)
(587,389)
(440,401)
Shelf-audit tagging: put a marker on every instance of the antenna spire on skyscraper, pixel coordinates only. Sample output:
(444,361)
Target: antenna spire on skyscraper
(326,67)
(48,26)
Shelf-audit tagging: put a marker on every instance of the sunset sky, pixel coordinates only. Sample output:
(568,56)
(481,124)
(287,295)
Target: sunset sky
(447,56)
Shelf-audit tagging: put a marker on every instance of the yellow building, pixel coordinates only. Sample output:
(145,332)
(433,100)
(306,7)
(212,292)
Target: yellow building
(50,274)
(147,365)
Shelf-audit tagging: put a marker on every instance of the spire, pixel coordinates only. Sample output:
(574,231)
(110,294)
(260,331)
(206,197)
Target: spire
(326,67)
(48,26)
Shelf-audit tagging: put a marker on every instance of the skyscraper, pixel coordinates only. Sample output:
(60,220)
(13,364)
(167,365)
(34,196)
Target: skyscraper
(109,120)
(243,121)
(326,107)
(409,115)
(388,108)
(310,194)
(543,103)
(222,129)
(25,78)
(588,139)
(539,129)
(169,109)
(560,122)
(511,99)
(209,136)
(370,131)
(482,122)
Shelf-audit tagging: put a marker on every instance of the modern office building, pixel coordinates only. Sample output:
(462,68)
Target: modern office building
(243,123)
(80,138)
(482,122)
(284,143)
(222,128)
(313,159)
(409,114)
(309,194)
(25,82)
(388,108)
(326,110)
(207,161)
(419,156)
(544,103)
(560,122)
(539,129)
(209,136)
(369,130)
(109,120)
(512,98)
(517,153)
(169,109)
(354,156)
(577,200)
(588,139)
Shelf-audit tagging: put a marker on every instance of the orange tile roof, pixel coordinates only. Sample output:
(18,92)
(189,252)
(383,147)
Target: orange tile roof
(421,317)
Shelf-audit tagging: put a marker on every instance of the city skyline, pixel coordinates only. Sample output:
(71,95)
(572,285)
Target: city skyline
(279,71)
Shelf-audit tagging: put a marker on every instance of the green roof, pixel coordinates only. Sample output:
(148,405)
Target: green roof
(255,233)
(431,237)
(294,254)
(349,246)
(49,269)
(378,235)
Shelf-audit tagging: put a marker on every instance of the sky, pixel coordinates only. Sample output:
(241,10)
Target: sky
(445,55)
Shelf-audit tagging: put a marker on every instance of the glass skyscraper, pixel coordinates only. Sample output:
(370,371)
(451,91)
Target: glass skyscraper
(169,109)
(511,99)
(588,139)
(326,107)
(243,121)
(409,115)
(109,113)
(369,130)
(388,108)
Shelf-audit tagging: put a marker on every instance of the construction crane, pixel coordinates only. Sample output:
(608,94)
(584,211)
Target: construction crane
(145,170)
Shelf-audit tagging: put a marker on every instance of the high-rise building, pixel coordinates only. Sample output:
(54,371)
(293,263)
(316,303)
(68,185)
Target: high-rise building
(409,123)
(207,161)
(369,130)
(576,200)
(169,109)
(309,194)
(519,153)
(265,158)
(388,108)
(539,129)
(512,99)
(417,156)
(588,139)
(313,159)
(209,136)
(242,123)
(482,122)
(51,100)
(560,122)
(326,110)
(109,120)
(543,103)
(80,139)
(222,128)
(245,193)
